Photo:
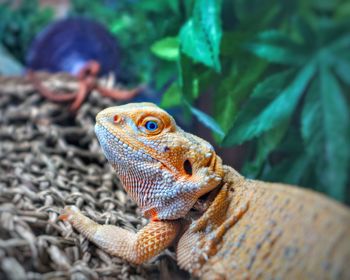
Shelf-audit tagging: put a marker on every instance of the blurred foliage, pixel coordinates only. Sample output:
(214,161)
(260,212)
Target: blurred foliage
(137,25)
(280,80)
(278,72)
(19,25)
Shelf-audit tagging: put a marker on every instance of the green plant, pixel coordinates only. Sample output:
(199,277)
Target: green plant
(136,25)
(279,72)
(20,24)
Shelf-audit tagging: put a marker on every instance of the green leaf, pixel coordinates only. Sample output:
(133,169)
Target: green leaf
(200,37)
(336,132)
(207,120)
(225,109)
(341,43)
(291,170)
(342,68)
(231,43)
(121,23)
(276,53)
(166,48)
(325,130)
(172,97)
(311,120)
(306,32)
(244,75)
(266,144)
(343,11)
(173,5)
(266,109)
(187,77)
(249,78)
(276,37)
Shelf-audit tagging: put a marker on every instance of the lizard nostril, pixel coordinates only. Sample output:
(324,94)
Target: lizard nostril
(188,167)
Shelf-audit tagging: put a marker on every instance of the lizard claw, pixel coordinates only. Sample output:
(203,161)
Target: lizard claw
(68,212)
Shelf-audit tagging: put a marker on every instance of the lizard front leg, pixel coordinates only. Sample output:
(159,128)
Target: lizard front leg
(133,247)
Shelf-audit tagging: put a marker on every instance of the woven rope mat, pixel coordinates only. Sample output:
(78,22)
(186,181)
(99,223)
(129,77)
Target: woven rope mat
(49,158)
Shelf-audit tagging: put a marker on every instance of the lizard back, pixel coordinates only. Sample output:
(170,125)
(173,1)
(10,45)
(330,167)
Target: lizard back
(258,230)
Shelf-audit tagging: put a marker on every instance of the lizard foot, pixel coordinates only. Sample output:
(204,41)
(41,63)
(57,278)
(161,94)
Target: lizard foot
(68,212)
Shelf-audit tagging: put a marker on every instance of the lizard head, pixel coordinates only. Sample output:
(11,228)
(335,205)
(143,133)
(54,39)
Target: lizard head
(164,169)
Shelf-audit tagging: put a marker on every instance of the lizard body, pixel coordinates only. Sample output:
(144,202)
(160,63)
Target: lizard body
(221,223)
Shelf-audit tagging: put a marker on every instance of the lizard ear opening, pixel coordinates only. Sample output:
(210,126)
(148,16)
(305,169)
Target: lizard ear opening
(188,167)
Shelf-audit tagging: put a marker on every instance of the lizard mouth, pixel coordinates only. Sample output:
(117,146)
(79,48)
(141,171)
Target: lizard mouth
(204,201)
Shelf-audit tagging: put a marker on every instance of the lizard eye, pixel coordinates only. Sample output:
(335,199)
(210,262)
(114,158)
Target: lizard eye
(151,125)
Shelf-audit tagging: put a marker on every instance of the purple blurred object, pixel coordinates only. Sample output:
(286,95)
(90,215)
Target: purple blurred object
(67,45)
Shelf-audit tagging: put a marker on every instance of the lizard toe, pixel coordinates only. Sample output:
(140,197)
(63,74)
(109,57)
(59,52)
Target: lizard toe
(68,212)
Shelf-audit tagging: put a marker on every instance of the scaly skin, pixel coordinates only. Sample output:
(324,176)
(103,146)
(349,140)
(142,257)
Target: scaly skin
(224,225)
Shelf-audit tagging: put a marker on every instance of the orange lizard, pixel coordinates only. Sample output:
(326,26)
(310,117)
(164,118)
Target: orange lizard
(222,225)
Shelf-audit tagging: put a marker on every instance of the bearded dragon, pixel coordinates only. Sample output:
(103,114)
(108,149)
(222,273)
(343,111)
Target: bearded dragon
(221,224)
